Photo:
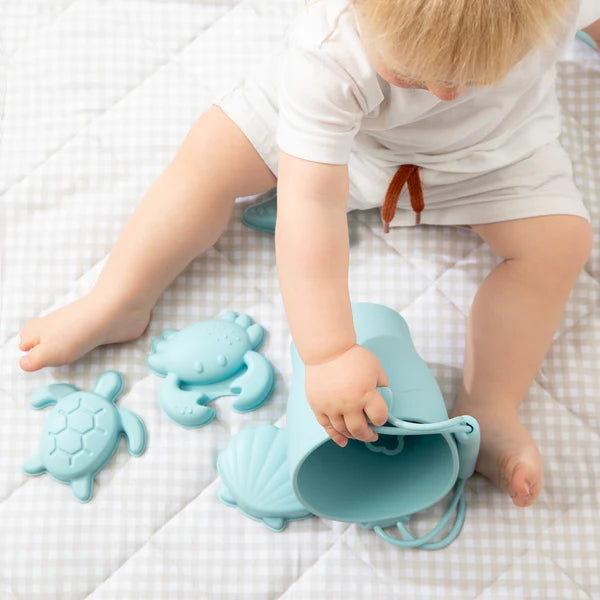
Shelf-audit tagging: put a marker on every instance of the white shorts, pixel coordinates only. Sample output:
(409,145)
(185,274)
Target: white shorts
(540,184)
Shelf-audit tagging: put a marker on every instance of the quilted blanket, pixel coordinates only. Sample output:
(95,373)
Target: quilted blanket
(95,97)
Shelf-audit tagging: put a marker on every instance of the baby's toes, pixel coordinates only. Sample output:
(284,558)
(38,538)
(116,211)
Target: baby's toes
(30,335)
(41,356)
(526,483)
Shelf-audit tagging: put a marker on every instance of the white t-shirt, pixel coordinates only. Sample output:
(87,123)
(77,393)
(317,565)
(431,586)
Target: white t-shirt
(331,102)
(589,12)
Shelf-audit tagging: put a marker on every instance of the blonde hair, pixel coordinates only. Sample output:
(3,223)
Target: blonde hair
(472,42)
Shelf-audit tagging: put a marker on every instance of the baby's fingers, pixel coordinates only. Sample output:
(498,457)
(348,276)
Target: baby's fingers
(334,434)
(339,424)
(359,428)
(376,408)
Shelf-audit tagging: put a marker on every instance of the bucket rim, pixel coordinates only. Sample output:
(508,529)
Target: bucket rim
(387,520)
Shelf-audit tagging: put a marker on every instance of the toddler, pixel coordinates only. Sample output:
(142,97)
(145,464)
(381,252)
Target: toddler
(454,96)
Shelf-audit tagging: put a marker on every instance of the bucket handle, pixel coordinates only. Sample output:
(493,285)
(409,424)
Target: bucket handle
(456,425)
(467,436)
(457,503)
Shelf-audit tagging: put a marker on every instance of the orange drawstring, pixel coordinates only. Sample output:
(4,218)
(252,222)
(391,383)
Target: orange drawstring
(405,174)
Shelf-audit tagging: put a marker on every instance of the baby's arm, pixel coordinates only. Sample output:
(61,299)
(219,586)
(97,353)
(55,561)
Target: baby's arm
(312,250)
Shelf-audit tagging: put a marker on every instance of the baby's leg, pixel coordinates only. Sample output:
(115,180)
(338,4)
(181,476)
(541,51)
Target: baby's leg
(511,324)
(181,216)
(594,32)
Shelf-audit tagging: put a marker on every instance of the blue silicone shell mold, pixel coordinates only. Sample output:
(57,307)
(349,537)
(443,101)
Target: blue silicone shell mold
(256,479)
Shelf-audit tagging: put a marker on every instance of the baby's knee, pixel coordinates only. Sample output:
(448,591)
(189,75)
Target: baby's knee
(568,246)
(576,241)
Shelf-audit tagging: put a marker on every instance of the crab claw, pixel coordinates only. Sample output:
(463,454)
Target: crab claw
(184,407)
(255,385)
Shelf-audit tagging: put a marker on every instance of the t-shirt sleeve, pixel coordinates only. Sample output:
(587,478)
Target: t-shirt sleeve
(589,11)
(320,107)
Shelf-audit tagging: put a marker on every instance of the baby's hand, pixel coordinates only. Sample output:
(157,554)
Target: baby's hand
(341,393)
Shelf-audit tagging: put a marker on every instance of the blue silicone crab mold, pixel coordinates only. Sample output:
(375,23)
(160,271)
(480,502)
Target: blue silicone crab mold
(209,359)
(82,432)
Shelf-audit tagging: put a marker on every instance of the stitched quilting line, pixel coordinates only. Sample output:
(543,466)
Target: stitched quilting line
(41,27)
(85,126)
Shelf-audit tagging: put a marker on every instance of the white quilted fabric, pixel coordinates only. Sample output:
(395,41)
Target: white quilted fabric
(96,96)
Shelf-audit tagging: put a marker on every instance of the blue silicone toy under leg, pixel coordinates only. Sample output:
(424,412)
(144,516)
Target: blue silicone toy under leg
(584,37)
(262,216)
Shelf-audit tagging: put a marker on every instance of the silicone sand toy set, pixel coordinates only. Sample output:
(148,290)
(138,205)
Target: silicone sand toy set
(270,474)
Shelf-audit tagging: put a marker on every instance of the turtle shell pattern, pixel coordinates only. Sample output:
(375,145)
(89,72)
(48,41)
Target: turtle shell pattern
(79,435)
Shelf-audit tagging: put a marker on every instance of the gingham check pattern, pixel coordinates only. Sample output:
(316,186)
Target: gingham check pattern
(95,99)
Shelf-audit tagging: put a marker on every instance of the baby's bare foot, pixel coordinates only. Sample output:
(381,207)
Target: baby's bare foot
(70,332)
(508,456)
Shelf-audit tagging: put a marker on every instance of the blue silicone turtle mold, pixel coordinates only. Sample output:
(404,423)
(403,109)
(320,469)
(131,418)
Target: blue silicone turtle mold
(207,360)
(82,432)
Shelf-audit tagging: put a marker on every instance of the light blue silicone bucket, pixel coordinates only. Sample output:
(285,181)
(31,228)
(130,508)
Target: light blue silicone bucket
(420,455)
